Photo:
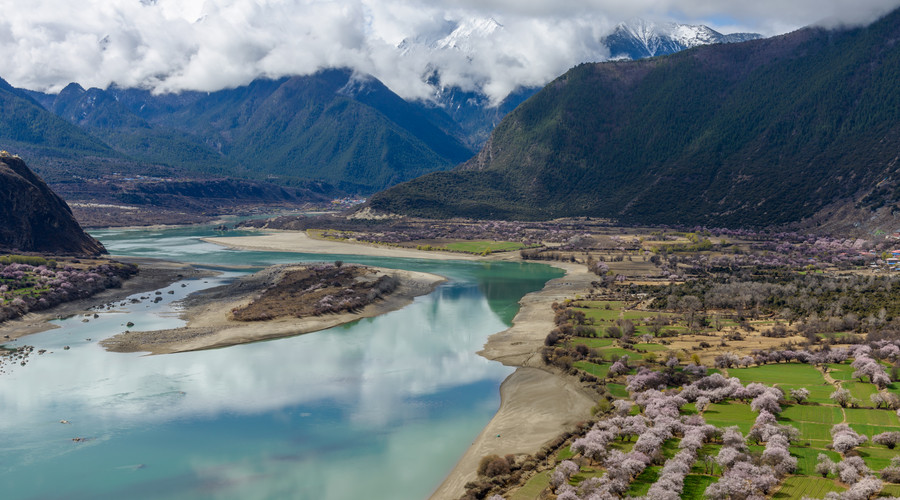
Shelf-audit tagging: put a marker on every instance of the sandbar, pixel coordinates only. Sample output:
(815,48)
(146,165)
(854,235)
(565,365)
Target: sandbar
(299,241)
(209,326)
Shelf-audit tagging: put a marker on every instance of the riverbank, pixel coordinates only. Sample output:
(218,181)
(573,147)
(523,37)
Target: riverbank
(299,241)
(537,405)
(209,324)
(152,275)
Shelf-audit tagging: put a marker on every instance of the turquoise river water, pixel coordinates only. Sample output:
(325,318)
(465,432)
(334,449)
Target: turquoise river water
(378,409)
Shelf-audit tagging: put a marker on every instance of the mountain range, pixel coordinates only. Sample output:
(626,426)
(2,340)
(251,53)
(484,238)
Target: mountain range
(640,38)
(760,133)
(334,126)
(473,110)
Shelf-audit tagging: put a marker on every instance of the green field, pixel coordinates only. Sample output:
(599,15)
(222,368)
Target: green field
(728,414)
(890,490)
(596,370)
(483,246)
(617,390)
(593,343)
(644,481)
(812,487)
(808,457)
(883,418)
(860,391)
(808,413)
(876,457)
(533,488)
(813,420)
(795,374)
(651,347)
(817,393)
(695,485)
(840,371)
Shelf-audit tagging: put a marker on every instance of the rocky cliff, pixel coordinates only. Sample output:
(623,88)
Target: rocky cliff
(33,218)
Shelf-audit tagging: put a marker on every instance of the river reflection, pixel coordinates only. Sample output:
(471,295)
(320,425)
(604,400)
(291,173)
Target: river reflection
(381,408)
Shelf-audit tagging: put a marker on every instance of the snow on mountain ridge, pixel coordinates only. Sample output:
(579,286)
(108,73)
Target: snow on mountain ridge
(640,38)
(466,31)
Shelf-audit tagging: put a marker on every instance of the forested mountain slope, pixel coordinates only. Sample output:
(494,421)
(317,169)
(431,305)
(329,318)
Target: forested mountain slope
(748,134)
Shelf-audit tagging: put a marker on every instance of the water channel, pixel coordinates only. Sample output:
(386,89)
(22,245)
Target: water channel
(378,409)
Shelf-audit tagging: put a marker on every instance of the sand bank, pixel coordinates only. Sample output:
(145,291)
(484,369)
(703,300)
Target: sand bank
(299,241)
(536,405)
(208,325)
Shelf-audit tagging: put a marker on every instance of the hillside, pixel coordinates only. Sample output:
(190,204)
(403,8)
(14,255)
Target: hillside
(33,218)
(333,126)
(748,134)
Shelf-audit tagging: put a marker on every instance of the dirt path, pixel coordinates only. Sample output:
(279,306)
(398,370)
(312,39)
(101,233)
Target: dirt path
(837,385)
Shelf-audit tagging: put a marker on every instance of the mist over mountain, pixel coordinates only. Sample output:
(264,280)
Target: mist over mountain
(468,100)
(751,134)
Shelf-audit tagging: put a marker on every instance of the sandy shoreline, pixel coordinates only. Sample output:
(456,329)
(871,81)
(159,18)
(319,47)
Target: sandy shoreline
(537,405)
(299,241)
(209,327)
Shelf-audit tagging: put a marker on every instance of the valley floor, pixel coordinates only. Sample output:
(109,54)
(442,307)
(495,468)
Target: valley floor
(536,404)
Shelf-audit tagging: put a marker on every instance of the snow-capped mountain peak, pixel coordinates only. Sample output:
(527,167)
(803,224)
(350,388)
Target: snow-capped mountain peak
(639,38)
(466,31)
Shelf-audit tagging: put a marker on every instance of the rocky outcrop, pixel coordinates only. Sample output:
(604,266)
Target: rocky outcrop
(33,218)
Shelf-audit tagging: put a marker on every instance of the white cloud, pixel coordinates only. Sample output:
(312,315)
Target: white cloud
(171,45)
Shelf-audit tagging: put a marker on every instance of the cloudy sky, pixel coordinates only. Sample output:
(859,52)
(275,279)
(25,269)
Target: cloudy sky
(169,45)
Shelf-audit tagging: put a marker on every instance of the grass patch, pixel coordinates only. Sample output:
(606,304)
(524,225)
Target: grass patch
(617,390)
(840,371)
(651,347)
(890,490)
(695,485)
(860,391)
(808,457)
(876,457)
(596,370)
(533,488)
(483,246)
(641,484)
(804,486)
(618,352)
(796,373)
(809,413)
(728,414)
(565,454)
(593,343)
(817,393)
(862,416)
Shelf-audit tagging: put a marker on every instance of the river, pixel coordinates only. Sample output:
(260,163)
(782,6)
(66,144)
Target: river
(378,409)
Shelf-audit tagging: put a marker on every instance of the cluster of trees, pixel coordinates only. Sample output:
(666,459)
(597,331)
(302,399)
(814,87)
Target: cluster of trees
(818,303)
(851,470)
(317,290)
(25,287)
(397,232)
